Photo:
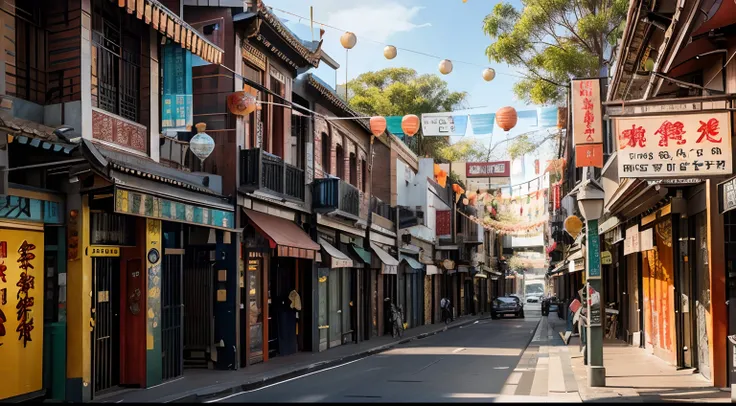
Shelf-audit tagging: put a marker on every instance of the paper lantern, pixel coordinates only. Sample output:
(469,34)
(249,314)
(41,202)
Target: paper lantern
(389,52)
(201,144)
(378,125)
(437,170)
(573,225)
(348,40)
(489,74)
(241,103)
(506,118)
(442,178)
(445,66)
(410,124)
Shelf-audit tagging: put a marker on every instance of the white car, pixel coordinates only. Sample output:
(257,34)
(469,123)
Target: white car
(533,298)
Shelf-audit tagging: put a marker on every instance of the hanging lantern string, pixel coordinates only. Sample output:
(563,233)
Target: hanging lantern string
(399,48)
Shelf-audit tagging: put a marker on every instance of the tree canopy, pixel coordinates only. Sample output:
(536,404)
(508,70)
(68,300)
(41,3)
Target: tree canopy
(553,41)
(401,91)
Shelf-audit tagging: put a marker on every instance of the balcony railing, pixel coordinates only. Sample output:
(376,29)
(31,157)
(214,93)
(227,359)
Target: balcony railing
(260,170)
(383,209)
(409,216)
(332,194)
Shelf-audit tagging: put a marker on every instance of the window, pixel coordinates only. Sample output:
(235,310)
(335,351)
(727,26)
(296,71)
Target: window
(30,54)
(340,162)
(299,132)
(254,126)
(117,53)
(276,146)
(353,170)
(326,153)
(363,175)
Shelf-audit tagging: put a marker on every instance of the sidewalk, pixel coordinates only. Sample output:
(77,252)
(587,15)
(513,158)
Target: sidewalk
(198,385)
(633,375)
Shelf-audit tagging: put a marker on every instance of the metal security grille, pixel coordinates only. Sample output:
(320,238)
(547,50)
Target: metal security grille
(106,333)
(172,313)
(198,310)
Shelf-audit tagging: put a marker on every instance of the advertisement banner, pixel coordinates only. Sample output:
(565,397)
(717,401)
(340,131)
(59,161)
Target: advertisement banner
(444,125)
(21,311)
(587,126)
(685,145)
(176,101)
(499,169)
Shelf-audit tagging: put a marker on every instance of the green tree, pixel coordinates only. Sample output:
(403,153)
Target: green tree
(401,91)
(554,40)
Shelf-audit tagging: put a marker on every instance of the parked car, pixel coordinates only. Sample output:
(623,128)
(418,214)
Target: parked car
(505,305)
(552,304)
(533,298)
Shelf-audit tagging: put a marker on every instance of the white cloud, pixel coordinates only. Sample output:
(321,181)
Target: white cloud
(376,22)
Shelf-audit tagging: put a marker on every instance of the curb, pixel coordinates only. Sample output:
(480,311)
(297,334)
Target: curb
(249,386)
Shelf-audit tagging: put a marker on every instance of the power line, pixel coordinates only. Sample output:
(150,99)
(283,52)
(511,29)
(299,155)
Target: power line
(399,48)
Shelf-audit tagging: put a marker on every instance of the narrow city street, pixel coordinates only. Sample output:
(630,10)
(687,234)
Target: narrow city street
(472,363)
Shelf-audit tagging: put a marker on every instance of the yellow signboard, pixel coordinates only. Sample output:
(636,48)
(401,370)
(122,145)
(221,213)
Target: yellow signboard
(606,258)
(103,251)
(21,312)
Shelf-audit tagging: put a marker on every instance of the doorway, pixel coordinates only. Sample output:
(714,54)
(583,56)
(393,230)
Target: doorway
(702,293)
(106,333)
(468,299)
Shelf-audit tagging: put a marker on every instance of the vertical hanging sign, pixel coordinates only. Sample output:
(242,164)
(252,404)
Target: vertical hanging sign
(587,125)
(176,102)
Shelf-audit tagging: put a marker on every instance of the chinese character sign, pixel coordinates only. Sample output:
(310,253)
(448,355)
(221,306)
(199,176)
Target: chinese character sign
(586,112)
(689,145)
(21,311)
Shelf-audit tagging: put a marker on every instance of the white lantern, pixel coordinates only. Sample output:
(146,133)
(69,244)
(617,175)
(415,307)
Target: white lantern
(201,144)
(489,74)
(445,66)
(389,52)
(348,40)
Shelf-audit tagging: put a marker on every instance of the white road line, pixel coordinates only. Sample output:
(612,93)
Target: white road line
(285,381)
(456,350)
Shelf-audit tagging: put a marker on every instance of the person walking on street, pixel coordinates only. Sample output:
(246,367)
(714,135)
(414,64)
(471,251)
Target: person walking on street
(446,307)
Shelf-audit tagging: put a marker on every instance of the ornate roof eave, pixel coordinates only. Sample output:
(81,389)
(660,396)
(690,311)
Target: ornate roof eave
(336,101)
(312,57)
(632,42)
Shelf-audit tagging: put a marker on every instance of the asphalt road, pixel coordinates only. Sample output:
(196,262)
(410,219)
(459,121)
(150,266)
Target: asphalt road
(459,365)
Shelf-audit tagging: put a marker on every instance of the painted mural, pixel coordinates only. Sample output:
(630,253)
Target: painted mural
(21,312)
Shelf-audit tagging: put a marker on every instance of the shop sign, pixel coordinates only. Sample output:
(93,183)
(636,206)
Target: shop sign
(688,145)
(587,125)
(102,251)
(22,298)
(606,258)
(594,249)
(501,169)
(727,195)
(631,242)
(646,240)
(28,209)
(154,207)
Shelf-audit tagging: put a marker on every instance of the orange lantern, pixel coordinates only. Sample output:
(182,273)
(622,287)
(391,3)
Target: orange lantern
(437,170)
(442,178)
(378,125)
(410,124)
(506,118)
(243,102)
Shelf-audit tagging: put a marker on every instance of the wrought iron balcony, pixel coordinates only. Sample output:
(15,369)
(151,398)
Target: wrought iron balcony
(334,194)
(266,172)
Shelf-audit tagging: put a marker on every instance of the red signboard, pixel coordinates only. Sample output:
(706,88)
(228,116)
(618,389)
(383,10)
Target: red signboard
(500,169)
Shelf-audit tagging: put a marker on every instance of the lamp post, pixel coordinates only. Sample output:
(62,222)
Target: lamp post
(590,202)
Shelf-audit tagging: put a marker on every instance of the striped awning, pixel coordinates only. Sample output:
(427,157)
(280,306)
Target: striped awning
(170,25)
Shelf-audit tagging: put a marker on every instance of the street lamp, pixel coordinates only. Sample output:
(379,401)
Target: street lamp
(590,198)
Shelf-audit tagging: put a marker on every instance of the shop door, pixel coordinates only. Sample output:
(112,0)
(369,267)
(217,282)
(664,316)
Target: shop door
(335,305)
(172,314)
(106,315)
(348,301)
(468,297)
(198,307)
(702,289)
(322,308)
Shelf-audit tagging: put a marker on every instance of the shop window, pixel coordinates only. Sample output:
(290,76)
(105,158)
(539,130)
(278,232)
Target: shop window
(112,229)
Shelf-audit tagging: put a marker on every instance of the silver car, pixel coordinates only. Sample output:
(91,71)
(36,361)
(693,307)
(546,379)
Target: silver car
(506,305)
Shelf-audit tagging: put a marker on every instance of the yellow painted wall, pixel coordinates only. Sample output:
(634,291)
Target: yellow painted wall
(79,298)
(21,358)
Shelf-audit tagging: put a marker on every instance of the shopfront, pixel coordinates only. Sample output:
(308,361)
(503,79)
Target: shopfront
(32,291)
(280,267)
(384,270)
(412,273)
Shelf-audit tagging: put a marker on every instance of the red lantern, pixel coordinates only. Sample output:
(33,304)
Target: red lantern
(506,118)
(378,125)
(410,124)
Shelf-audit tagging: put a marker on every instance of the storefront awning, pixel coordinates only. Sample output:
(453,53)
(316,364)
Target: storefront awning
(170,25)
(338,259)
(490,270)
(283,234)
(364,255)
(389,264)
(481,275)
(413,263)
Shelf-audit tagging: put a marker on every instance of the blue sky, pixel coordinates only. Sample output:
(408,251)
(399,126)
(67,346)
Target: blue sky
(447,28)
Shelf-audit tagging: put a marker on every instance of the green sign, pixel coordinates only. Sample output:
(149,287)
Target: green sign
(594,250)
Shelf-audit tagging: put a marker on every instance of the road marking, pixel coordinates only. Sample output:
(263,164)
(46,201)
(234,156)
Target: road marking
(281,382)
(456,350)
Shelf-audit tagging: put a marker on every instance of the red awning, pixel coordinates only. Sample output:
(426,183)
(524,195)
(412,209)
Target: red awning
(285,235)
(721,18)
